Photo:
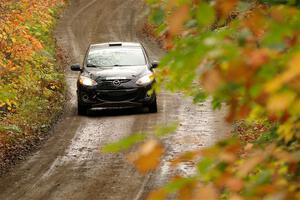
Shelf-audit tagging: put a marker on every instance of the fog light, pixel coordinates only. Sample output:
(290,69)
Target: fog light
(85,98)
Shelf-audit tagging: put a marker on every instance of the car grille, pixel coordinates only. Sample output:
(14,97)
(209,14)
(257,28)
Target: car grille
(117,95)
(109,84)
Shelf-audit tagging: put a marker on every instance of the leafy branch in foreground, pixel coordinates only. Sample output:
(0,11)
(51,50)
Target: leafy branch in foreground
(244,54)
(148,155)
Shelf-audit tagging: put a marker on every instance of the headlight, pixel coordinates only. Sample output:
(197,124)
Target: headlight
(87,81)
(145,80)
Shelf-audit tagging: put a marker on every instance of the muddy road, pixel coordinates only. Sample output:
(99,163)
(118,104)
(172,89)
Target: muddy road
(69,165)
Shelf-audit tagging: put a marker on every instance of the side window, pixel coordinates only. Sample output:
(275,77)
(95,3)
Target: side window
(85,56)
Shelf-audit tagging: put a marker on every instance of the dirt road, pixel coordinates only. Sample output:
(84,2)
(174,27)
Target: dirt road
(69,166)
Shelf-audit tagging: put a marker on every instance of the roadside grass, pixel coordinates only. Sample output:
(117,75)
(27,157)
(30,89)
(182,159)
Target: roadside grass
(32,94)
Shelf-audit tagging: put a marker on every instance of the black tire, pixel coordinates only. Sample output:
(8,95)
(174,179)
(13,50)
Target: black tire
(153,107)
(82,110)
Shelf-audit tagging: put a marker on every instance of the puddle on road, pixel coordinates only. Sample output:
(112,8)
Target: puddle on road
(200,126)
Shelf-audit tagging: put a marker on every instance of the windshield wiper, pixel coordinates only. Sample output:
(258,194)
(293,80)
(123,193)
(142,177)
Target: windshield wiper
(92,65)
(120,65)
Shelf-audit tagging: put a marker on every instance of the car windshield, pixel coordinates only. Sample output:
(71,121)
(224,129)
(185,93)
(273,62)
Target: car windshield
(116,57)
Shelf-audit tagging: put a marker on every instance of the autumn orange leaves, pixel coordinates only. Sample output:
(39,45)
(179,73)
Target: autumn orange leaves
(31,84)
(244,54)
(251,57)
(178,13)
(17,40)
(147,157)
(177,19)
(225,8)
(24,25)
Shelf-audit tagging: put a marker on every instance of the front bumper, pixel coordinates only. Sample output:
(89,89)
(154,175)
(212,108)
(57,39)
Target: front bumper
(121,97)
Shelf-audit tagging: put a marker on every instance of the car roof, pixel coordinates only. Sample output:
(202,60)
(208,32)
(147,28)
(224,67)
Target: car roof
(114,44)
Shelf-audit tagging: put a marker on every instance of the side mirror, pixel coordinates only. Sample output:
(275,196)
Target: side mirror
(76,67)
(154,64)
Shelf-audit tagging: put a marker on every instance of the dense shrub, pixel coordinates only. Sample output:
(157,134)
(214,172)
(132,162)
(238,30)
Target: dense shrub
(31,82)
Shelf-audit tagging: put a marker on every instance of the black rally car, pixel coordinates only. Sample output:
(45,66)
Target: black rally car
(117,74)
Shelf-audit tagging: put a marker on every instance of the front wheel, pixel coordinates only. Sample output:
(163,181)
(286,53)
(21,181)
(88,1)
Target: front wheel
(82,110)
(153,107)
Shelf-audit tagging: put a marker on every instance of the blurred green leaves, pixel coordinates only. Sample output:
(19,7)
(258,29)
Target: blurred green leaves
(205,15)
(124,143)
(130,141)
(245,55)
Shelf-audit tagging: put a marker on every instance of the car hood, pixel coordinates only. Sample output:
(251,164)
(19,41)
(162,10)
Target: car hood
(124,72)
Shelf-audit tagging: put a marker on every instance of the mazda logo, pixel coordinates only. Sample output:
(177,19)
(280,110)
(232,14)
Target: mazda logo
(116,82)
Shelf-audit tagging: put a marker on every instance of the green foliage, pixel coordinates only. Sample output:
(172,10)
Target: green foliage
(125,143)
(246,55)
(31,82)
(161,131)
(11,128)
(128,142)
